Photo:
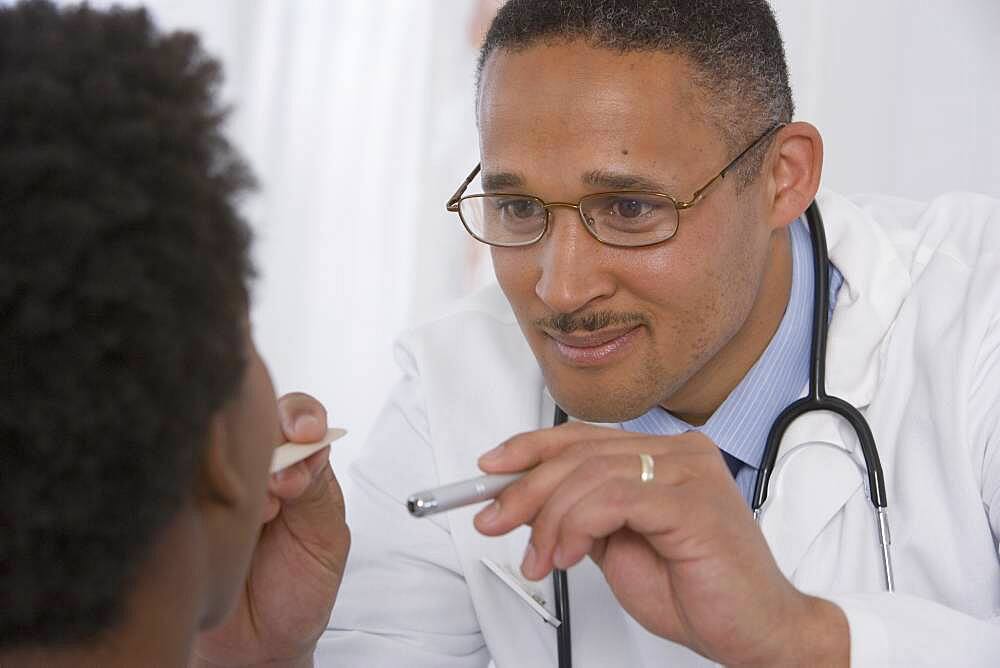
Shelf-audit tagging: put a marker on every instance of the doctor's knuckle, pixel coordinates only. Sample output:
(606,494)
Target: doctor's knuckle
(618,494)
(531,493)
(573,524)
(596,467)
(576,429)
(585,449)
(524,448)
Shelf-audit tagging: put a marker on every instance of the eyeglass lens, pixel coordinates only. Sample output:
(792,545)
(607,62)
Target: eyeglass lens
(621,218)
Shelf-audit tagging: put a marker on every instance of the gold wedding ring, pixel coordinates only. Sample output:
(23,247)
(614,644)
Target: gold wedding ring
(647,467)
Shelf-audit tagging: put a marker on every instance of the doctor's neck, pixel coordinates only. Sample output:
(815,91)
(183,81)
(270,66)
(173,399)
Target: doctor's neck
(160,620)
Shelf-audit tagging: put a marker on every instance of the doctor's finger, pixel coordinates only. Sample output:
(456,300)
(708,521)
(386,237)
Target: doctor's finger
(648,511)
(520,502)
(704,518)
(303,418)
(529,449)
(673,469)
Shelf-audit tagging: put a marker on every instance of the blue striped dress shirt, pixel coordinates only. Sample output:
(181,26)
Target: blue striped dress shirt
(780,376)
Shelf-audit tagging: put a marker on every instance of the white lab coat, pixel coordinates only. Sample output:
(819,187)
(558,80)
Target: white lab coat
(914,343)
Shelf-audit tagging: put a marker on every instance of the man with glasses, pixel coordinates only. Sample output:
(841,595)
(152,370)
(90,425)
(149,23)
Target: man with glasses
(626,218)
(642,189)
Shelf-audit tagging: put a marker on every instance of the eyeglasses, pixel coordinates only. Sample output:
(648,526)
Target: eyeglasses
(621,218)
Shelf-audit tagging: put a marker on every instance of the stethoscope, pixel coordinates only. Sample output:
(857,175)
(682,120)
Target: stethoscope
(815,400)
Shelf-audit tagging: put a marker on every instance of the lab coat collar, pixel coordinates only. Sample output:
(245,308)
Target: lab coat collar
(820,466)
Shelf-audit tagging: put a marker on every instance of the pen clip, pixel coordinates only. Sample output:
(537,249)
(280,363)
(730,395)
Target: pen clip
(523,590)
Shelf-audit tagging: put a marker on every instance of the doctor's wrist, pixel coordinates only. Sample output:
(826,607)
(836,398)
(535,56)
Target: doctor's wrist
(301,662)
(305,661)
(819,635)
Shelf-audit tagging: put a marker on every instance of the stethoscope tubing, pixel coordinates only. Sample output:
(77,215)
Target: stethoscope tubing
(560,591)
(817,399)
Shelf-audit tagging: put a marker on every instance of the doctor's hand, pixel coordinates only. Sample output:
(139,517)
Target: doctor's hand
(298,561)
(681,552)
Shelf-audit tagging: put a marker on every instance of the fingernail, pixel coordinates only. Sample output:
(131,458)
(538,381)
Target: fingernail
(305,422)
(492,454)
(528,563)
(489,514)
(557,558)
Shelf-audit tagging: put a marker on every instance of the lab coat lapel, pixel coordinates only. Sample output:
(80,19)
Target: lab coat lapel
(459,440)
(814,477)
(820,466)
(875,284)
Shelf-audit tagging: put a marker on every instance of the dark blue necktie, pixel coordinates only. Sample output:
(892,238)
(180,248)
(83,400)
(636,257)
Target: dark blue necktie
(734,463)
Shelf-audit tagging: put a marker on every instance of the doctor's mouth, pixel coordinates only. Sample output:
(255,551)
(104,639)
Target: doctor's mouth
(593,339)
(594,348)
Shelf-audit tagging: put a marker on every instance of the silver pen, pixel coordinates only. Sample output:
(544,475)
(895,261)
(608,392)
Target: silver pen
(458,494)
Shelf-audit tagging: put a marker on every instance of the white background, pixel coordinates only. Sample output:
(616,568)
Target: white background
(357,116)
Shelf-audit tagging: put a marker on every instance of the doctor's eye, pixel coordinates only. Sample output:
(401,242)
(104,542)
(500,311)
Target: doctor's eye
(521,208)
(629,212)
(633,207)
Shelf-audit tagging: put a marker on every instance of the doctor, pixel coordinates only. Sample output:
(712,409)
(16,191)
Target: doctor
(684,348)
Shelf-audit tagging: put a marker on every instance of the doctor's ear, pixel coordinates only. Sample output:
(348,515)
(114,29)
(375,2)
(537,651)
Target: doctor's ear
(221,478)
(793,172)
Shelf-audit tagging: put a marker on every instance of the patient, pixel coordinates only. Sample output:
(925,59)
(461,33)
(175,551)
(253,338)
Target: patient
(137,421)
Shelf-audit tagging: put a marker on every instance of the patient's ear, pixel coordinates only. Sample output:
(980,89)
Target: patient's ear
(795,171)
(222,471)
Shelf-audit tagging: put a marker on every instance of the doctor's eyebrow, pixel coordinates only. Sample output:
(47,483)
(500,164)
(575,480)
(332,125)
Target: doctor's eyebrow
(499,181)
(610,180)
(599,179)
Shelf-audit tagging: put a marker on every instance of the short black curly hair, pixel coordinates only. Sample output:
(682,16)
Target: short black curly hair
(735,46)
(123,294)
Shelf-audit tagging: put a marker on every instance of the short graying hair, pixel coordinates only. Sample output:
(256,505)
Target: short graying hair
(734,46)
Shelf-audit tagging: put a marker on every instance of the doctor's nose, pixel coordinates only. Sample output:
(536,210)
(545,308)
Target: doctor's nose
(571,273)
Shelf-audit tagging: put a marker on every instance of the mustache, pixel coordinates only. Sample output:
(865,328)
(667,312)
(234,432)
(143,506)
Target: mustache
(590,322)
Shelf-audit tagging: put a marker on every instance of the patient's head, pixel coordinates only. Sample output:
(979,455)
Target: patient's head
(135,414)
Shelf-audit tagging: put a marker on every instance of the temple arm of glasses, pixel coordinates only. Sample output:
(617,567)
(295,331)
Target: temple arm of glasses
(698,194)
(452,204)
